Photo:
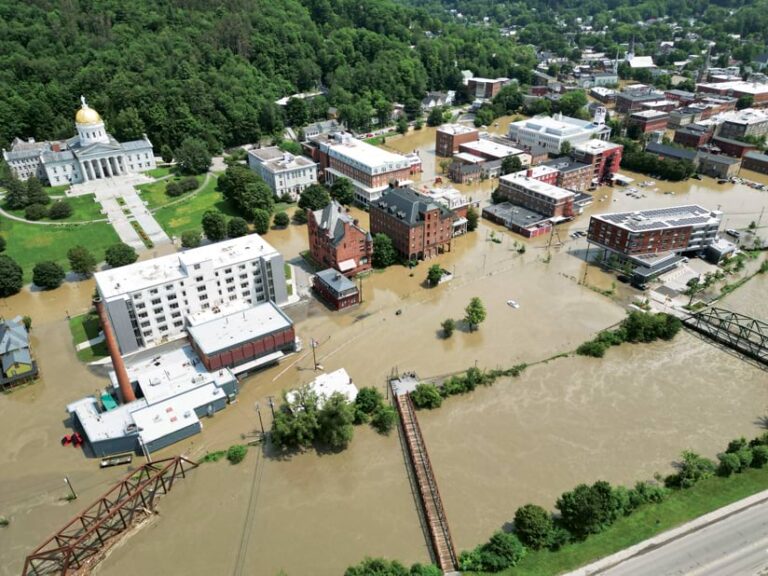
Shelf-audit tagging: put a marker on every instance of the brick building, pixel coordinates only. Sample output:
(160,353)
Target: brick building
(485,88)
(571,175)
(649,120)
(747,122)
(735,148)
(737,89)
(544,198)
(755,161)
(336,240)
(419,229)
(336,289)
(604,157)
(448,137)
(693,136)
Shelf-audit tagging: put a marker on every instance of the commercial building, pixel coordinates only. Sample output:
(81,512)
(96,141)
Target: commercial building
(91,155)
(603,94)
(603,156)
(419,229)
(244,340)
(16,363)
(665,151)
(693,135)
(337,240)
(551,132)
(527,223)
(336,289)
(631,101)
(485,88)
(679,229)
(718,165)
(571,174)
(739,124)
(735,148)
(541,197)
(649,120)
(284,173)
(449,137)
(153,301)
(449,197)
(737,89)
(326,385)
(492,150)
(756,161)
(370,169)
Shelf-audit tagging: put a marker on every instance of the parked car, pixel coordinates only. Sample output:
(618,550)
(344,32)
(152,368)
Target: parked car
(734,233)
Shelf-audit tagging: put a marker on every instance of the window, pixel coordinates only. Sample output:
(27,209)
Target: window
(199,279)
(233,297)
(204,297)
(163,328)
(201,288)
(156,301)
(139,306)
(178,324)
(153,291)
(172,296)
(196,266)
(143,315)
(230,280)
(174,306)
(145,324)
(244,285)
(157,311)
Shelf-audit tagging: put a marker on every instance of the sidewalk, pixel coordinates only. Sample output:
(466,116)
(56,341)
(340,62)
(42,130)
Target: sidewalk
(669,536)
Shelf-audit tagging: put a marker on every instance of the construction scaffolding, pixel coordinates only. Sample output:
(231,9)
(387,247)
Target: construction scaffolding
(78,545)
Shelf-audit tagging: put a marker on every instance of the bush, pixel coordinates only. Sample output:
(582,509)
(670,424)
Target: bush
(48,275)
(237,227)
(502,551)
(729,464)
(60,210)
(190,239)
(188,184)
(236,453)
(261,220)
(2,244)
(592,348)
(426,396)
(300,217)
(173,189)
(368,400)
(759,456)
(281,219)
(448,325)
(533,525)
(383,419)
(27,321)
(692,468)
(35,212)
(120,254)
(589,509)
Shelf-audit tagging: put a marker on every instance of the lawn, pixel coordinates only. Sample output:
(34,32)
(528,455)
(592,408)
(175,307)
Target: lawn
(87,327)
(187,214)
(56,190)
(29,244)
(154,193)
(680,507)
(84,209)
(158,172)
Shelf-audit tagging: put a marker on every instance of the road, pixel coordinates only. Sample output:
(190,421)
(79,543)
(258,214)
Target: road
(735,546)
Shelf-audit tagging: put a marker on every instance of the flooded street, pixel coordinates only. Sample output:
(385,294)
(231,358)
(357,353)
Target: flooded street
(621,418)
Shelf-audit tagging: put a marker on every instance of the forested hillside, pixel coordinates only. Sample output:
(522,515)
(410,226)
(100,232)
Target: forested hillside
(213,68)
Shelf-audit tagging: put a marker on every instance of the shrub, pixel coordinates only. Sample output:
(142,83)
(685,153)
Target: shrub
(48,275)
(502,551)
(236,453)
(173,189)
(237,227)
(2,244)
(81,261)
(368,400)
(592,348)
(261,220)
(120,254)
(533,526)
(383,419)
(188,184)
(729,463)
(426,396)
(692,468)
(300,217)
(11,276)
(589,509)
(190,239)
(448,325)
(27,320)
(745,457)
(759,456)
(60,210)
(281,219)
(35,212)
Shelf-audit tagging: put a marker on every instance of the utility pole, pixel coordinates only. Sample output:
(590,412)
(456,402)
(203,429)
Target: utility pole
(272,405)
(261,422)
(71,489)
(314,356)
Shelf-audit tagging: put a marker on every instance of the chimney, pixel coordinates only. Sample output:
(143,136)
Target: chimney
(126,391)
(529,172)
(55,147)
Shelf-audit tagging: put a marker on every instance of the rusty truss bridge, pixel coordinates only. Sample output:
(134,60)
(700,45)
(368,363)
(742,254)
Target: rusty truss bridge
(742,333)
(431,502)
(78,546)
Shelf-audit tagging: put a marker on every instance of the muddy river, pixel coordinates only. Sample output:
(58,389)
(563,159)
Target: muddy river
(621,418)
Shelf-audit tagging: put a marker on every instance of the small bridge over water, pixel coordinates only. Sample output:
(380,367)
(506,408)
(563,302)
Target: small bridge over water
(739,332)
(431,502)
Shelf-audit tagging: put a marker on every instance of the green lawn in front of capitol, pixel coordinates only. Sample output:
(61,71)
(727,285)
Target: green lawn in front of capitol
(84,209)
(29,243)
(681,506)
(154,194)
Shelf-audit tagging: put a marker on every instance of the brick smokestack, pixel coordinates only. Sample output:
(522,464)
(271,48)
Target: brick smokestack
(123,381)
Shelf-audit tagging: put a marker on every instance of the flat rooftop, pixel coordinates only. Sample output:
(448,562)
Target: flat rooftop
(662,218)
(243,326)
(649,114)
(558,126)
(468,158)
(736,86)
(516,215)
(537,187)
(595,146)
(491,148)
(456,129)
(276,160)
(173,267)
(366,155)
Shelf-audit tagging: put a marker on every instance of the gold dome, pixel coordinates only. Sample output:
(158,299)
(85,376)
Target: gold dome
(87,115)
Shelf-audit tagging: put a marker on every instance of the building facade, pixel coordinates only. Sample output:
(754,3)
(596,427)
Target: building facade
(603,156)
(571,174)
(419,229)
(649,120)
(735,148)
(755,161)
(91,155)
(680,229)
(550,133)
(485,88)
(286,174)
(448,137)
(154,301)
(737,89)
(16,363)
(541,197)
(337,240)
(336,289)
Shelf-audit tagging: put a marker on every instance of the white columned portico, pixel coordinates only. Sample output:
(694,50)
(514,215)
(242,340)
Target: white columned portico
(97,166)
(107,168)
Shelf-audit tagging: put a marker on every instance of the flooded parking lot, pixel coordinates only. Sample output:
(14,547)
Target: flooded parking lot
(621,418)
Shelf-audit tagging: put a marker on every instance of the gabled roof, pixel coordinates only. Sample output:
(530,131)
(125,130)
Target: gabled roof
(13,336)
(333,220)
(16,357)
(406,205)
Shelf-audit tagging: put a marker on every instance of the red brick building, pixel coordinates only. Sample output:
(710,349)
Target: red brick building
(755,161)
(649,120)
(604,157)
(336,240)
(336,289)
(485,88)
(449,137)
(735,148)
(541,197)
(693,136)
(571,175)
(419,229)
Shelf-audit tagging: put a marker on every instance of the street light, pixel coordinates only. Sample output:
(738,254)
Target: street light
(71,489)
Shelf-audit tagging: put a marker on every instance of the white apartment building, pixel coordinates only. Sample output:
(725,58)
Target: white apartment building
(154,301)
(550,132)
(285,173)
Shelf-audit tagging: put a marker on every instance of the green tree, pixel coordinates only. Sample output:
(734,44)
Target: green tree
(502,551)
(435,117)
(281,219)
(565,148)
(484,116)
(35,212)
(426,396)
(296,423)
(237,227)
(60,210)
(190,239)
(236,453)
(402,125)
(214,225)
(120,254)
(759,456)
(383,251)
(166,153)
(745,101)
(296,112)
(412,109)
(314,197)
(335,422)
(383,419)
(193,157)
(16,194)
(129,125)
(377,567)
(475,313)
(343,191)
(472,219)
(27,320)
(448,325)
(36,193)
(300,217)
(434,274)
(508,101)
(572,103)
(81,260)
(533,525)
(510,165)
(48,275)
(368,399)
(2,244)
(11,276)
(261,220)
(691,469)
(588,509)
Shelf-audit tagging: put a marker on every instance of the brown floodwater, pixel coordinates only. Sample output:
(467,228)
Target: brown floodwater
(620,418)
